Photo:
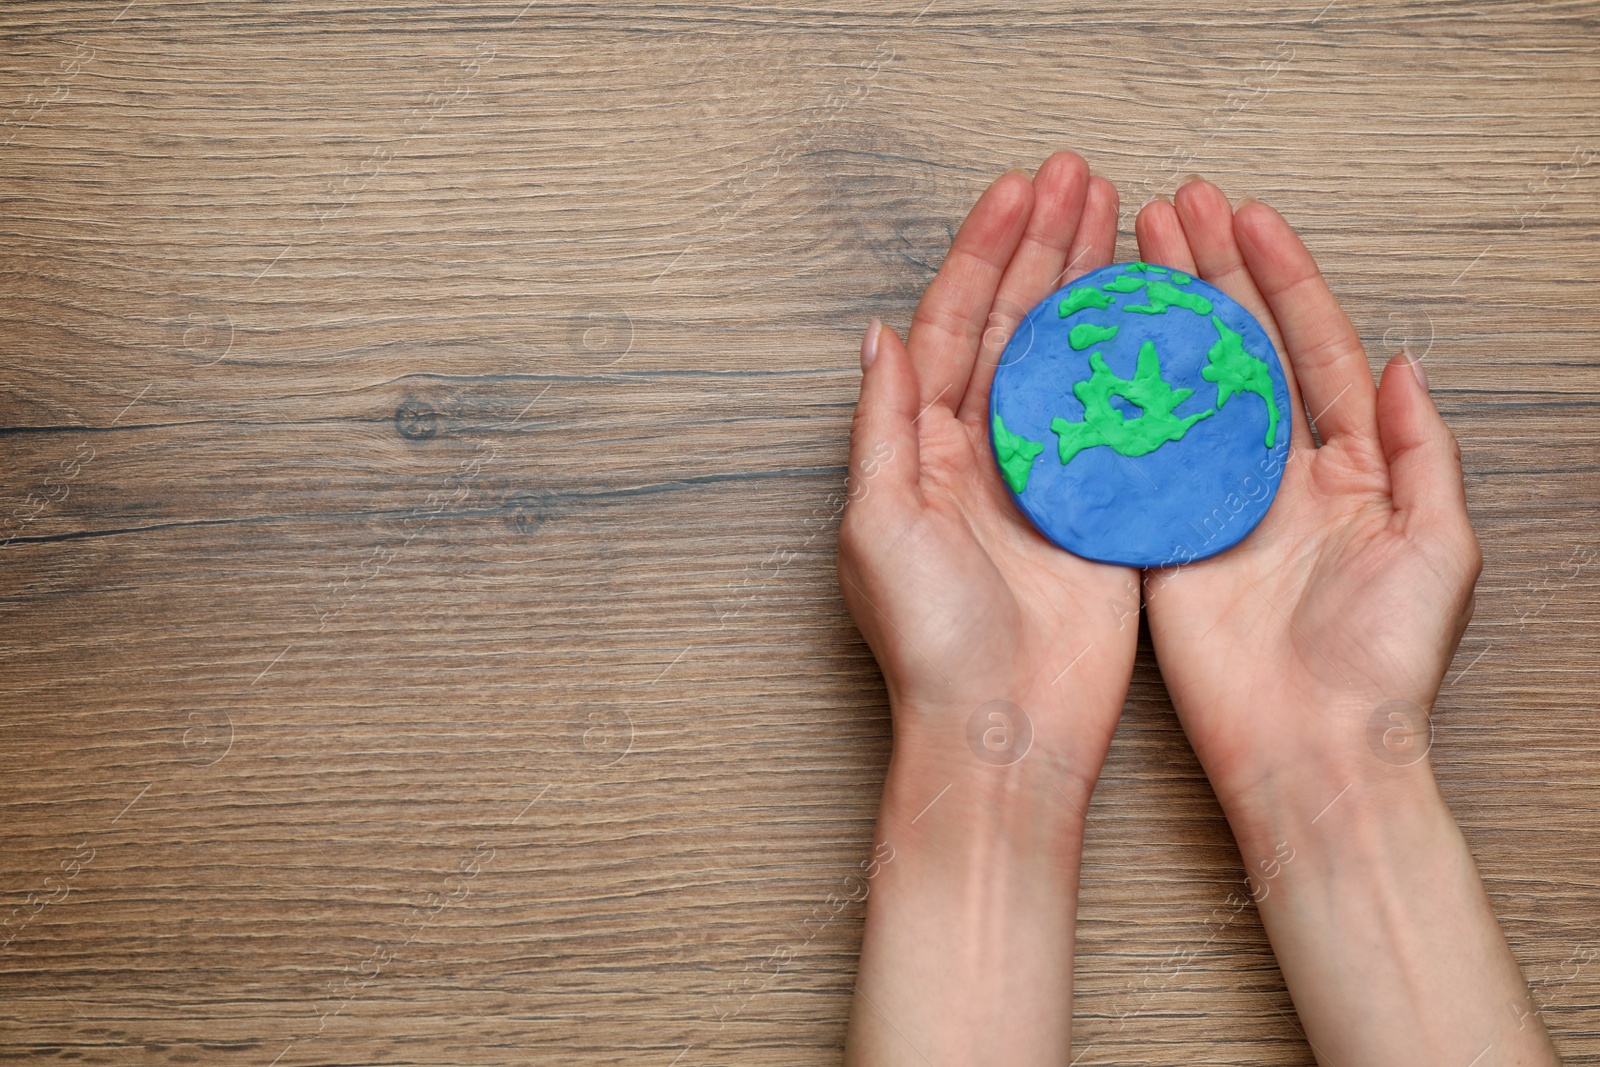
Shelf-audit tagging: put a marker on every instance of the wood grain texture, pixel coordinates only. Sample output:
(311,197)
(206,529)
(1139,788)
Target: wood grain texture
(420,641)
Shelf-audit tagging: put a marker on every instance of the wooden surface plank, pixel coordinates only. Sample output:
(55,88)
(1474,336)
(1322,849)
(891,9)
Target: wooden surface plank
(420,641)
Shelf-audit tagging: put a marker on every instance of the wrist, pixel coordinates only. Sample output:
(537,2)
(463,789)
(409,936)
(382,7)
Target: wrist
(1307,756)
(991,803)
(1331,818)
(1318,784)
(1026,750)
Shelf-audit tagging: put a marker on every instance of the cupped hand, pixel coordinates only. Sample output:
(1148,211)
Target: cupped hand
(960,599)
(1320,641)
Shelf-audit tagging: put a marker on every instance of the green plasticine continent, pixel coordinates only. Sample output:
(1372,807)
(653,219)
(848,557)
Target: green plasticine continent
(1124,283)
(1237,371)
(1104,425)
(1163,295)
(1087,297)
(1146,268)
(1016,455)
(1085,334)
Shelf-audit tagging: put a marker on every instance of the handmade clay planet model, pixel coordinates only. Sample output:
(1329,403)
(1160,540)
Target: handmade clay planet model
(1140,417)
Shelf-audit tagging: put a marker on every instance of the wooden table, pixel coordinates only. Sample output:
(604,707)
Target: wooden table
(421,643)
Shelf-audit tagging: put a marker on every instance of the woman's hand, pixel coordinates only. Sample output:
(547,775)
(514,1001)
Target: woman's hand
(1348,600)
(961,600)
(1007,660)
(1303,664)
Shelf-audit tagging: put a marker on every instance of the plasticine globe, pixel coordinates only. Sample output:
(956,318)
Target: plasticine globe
(1140,416)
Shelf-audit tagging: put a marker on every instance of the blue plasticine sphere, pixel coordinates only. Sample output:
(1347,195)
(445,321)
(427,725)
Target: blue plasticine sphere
(1140,417)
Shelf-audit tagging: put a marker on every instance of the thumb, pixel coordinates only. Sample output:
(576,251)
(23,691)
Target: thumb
(1424,458)
(883,437)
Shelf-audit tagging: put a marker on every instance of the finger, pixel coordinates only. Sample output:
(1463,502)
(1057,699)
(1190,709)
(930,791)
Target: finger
(950,319)
(1058,194)
(1329,362)
(1095,244)
(883,439)
(1161,237)
(1424,459)
(1207,220)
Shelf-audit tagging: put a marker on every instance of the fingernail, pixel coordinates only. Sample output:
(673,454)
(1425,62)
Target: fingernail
(1419,370)
(869,344)
(1243,201)
(1187,178)
(1152,200)
(1019,170)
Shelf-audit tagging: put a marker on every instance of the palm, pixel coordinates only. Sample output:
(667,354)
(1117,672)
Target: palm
(1352,592)
(960,599)
(1051,604)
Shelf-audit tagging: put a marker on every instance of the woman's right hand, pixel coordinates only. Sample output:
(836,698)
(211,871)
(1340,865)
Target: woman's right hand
(1304,662)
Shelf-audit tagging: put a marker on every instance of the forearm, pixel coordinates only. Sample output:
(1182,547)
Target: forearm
(1380,921)
(967,956)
